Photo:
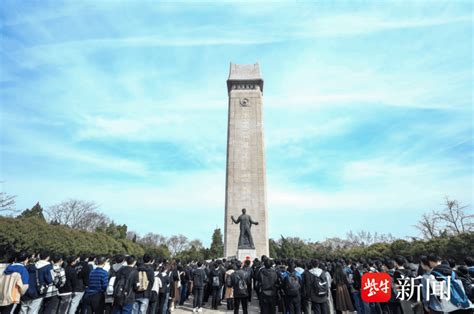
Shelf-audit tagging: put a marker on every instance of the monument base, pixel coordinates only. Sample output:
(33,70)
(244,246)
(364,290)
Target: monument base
(246,254)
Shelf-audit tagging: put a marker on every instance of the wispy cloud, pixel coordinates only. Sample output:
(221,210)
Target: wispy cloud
(367,108)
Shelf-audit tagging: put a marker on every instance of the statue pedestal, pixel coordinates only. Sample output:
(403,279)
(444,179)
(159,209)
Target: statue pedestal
(244,254)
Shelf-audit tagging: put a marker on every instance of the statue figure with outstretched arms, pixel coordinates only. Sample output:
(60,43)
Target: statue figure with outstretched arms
(246,222)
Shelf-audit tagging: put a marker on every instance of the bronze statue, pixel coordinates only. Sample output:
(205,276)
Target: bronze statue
(246,222)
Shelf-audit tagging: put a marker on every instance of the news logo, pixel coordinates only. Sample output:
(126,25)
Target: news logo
(376,287)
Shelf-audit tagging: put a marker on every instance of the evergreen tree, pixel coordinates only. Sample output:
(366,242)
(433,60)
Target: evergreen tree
(217,245)
(35,211)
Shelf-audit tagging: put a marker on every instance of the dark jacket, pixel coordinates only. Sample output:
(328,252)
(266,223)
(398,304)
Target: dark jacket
(165,282)
(82,270)
(199,278)
(310,281)
(130,274)
(442,269)
(32,292)
(236,277)
(71,280)
(150,274)
(467,285)
(268,282)
(216,272)
(184,277)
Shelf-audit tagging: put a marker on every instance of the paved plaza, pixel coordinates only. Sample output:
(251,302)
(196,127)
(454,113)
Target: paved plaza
(188,308)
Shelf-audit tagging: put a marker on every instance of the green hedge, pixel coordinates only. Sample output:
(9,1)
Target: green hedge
(33,234)
(457,247)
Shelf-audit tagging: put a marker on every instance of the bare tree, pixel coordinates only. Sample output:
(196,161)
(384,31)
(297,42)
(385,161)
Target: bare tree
(152,239)
(196,244)
(428,225)
(77,214)
(455,218)
(385,238)
(336,243)
(93,221)
(177,244)
(365,238)
(7,202)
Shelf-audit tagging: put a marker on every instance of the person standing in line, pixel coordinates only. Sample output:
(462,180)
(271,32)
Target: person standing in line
(143,294)
(65,292)
(343,299)
(199,279)
(14,282)
(240,283)
(268,285)
(82,270)
(51,299)
(94,296)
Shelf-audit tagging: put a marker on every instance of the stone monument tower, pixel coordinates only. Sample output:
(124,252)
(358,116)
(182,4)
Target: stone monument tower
(246,180)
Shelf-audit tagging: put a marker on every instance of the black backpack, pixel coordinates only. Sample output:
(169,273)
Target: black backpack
(292,285)
(122,288)
(241,285)
(228,281)
(216,281)
(320,285)
(164,282)
(268,281)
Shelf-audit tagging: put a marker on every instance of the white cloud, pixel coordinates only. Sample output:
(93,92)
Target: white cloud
(49,147)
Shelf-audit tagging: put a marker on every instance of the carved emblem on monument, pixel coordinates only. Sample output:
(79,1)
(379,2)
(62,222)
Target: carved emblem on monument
(244,102)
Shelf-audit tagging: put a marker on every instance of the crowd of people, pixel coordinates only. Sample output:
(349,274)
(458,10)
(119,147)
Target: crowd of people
(50,283)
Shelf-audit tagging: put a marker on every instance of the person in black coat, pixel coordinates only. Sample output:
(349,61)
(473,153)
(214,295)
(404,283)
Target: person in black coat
(65,292)
(216,280)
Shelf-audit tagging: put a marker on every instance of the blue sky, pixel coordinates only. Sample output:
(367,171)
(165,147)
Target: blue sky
(368,110)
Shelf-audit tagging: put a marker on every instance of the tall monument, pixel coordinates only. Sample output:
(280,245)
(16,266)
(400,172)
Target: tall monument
(246,180)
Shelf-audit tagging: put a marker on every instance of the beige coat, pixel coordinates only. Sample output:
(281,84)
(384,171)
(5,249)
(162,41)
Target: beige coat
(12,288)
(229,292)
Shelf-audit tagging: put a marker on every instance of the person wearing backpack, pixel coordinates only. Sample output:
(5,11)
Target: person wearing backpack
(82,270)
(94,296)
(240,283)
(440,272)
(125,285)
(249,273)
(229,290)
(14,282)
(292,289)
(199,279)
(28,300)
(268,285)
(146,277)
(462,273)
(118,262)
(317,287)
(51,298)
(44,278)
(164,293)
(155,292)
(216,282)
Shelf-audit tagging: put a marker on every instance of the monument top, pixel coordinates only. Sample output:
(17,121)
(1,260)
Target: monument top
(245,73)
